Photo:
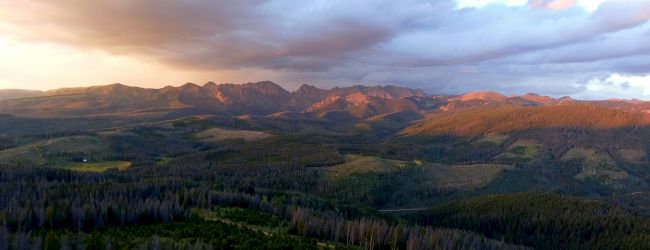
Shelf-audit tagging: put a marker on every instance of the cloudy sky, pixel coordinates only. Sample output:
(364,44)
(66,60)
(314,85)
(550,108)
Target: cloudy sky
(590,49)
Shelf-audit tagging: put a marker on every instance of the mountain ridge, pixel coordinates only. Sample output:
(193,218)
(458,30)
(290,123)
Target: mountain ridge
(266,97)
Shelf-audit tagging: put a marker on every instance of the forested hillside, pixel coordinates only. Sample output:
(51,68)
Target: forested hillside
(516,119)
(545,221)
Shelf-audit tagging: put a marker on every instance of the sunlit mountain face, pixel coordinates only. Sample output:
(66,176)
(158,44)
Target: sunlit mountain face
(266,124)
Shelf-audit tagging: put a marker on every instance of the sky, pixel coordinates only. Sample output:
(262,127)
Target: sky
(588,49)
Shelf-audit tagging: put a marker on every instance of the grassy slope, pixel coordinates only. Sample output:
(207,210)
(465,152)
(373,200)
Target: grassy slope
(218,134)
(364,164)
(523,150)
(466,176)
(437,175)
(40,152)
(97,166)
(596,164)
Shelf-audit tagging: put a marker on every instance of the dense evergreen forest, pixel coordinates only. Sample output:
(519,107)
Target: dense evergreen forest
(544,221)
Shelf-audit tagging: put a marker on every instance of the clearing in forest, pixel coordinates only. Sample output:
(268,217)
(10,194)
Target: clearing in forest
(102,166)
(219,134)
(365,164)
(435,175)
(466,176)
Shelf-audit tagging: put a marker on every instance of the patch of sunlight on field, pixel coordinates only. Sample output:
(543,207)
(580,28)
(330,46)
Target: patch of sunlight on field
(218,134)
(493,138)
(436,175)
(466,176)
(365,164)
(98,166)
(595,164)
(523,149)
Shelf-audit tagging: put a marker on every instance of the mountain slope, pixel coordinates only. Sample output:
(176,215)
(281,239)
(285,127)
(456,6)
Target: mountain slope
(93,100)
(513,119)
(362,106)
(261,98)
(265,98)
(7,94)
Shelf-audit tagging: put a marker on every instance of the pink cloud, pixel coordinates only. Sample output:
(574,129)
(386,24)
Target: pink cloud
(552,4)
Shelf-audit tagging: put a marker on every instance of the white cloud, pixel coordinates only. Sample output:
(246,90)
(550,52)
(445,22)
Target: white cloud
(588,5)
(617,85)
(482,3)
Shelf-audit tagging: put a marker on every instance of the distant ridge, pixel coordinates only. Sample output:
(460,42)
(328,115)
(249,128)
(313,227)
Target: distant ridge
(484,95)
(266,98)
(6,94)
(250,98)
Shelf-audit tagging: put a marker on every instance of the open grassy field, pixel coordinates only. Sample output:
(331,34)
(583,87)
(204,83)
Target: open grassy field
(97,166)
(39,152)
(365,164)
(219,134)
(493,138)
(465,176)
(435,175)
(595,164)
(27,155)
(522,149)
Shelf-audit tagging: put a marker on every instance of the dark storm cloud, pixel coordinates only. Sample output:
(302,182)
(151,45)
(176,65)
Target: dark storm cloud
(210,34)
(428,44)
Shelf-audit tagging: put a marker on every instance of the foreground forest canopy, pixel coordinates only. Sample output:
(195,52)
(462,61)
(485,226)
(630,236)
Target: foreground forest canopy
(255,166)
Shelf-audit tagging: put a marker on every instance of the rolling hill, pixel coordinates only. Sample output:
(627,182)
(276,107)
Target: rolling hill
(7,94)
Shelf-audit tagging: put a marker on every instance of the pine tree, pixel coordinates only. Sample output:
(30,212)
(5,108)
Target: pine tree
(4,238)
(52,241)
(65,242)
(155,243)
(37,243)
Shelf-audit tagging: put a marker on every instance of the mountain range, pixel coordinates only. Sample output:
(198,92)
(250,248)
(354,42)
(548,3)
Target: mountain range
(265,98)
(251,98)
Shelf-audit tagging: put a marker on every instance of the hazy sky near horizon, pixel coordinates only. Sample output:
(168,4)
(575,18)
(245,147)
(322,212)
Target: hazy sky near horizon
(590,49)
